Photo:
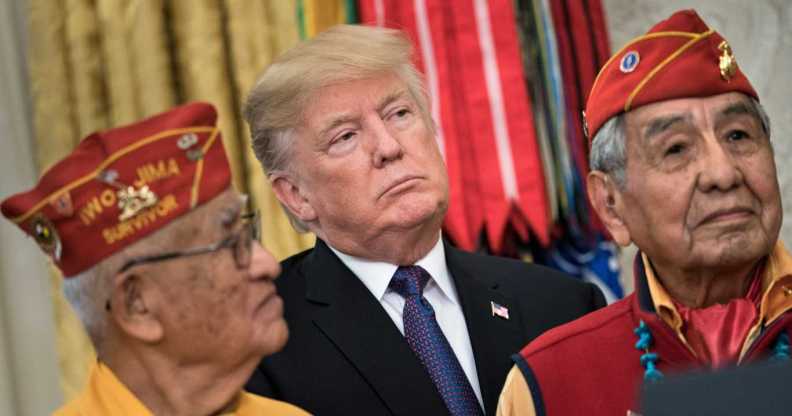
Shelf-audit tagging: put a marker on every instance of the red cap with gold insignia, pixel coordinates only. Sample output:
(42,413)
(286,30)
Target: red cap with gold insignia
(679,57)
(122,184)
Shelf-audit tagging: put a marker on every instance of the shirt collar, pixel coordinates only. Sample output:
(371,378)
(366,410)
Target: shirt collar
(777,284)
(376,275)
(776,289)
(664,305)
(106,394)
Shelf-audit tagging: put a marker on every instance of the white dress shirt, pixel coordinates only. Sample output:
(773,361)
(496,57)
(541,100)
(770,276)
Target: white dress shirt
(440,292)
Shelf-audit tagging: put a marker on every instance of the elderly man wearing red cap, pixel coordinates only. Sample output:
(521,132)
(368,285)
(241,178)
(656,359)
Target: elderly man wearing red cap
(682,166)
(162,266)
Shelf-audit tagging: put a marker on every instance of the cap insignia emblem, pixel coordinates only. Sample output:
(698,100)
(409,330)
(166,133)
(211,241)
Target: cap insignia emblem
(131,201)
(629,62)
(108,176)
(195,154)
(187,140)
(46,237)
(63,205)
(726,62)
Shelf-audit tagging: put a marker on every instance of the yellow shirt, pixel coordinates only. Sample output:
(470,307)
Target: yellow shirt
(776,284)
(106,395)
(516,400)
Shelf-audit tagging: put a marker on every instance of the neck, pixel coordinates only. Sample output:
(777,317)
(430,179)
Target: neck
(397,247)
(703,288)
(172,388)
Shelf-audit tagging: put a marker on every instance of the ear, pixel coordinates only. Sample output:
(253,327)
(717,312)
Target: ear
(291,196)
(607,200)
(132,308)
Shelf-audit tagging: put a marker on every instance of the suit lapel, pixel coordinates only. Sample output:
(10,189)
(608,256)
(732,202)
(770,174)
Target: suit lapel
(359,327)
(493,338)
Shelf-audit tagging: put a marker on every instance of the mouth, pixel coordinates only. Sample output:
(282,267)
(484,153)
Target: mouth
(271,304)
(400,185)
(727,215)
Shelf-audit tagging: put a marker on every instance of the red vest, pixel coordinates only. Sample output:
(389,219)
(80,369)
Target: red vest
(591,366)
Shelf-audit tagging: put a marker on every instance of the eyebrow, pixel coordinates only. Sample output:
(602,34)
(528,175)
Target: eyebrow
(346,118)
(337,121)
(739,108)
(388,99)
(662,124)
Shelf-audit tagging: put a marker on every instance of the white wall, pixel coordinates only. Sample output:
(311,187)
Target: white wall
(29,378)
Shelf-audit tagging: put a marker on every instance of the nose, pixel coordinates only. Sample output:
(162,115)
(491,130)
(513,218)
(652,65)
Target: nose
(263,265)
(385,145)
(720,170)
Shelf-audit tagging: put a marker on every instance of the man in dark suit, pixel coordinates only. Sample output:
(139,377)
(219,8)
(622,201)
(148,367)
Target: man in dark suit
(385,317)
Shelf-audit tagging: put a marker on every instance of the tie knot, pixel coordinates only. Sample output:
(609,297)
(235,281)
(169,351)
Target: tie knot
(409,281)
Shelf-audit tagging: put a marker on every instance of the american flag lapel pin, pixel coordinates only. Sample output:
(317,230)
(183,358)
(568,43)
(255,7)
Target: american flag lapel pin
(499,310)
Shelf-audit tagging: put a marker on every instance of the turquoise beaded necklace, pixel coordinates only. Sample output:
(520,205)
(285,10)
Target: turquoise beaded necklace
(781,351)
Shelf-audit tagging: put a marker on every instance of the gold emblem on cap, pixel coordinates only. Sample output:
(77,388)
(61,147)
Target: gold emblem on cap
(726,62)
(131,201)
(787,290)
(46,237)
(585,125)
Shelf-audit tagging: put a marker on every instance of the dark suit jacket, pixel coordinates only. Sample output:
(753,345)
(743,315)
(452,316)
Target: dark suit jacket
(345,356)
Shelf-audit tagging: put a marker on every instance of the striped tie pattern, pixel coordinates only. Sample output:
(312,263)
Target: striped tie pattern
(424,336)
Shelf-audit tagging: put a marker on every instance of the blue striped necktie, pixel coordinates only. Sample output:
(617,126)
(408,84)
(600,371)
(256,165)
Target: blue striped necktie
(427,341)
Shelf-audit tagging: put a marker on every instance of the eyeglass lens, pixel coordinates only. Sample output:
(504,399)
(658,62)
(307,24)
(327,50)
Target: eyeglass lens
(243,247)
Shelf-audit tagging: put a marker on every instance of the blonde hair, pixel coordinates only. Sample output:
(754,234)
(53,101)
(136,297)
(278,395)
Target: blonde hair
(276,104)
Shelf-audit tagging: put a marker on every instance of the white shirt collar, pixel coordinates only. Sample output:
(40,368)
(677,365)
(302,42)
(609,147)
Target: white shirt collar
(376,275)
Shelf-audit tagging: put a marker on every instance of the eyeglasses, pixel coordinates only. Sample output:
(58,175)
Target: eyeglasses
(241,244)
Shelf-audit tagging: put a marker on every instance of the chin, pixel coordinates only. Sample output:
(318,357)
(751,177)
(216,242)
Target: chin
(740,251)
(417,220)
(419,210)
(275,338)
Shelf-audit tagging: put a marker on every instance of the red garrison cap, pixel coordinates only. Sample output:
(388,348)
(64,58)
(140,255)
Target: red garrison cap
(679,57)
(122,184)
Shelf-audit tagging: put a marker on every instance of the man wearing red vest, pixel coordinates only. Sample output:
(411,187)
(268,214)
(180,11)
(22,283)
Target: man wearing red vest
(682,166)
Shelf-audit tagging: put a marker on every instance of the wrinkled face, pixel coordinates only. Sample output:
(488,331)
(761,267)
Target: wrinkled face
(215,311)
(701,189)
(367,163)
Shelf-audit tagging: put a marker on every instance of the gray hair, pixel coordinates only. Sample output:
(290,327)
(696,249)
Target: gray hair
(88,292)
(275,106)
(608,152)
